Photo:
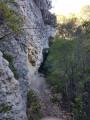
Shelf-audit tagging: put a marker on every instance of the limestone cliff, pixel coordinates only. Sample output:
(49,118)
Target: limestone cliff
(9,93)
(27,51)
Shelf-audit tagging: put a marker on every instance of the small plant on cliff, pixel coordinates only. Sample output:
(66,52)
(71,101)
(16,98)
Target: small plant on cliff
(54,99)
(9,58)
(4,108)
(33,106)
(10,20)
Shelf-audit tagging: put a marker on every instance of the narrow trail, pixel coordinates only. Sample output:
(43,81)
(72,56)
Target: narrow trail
(48,108)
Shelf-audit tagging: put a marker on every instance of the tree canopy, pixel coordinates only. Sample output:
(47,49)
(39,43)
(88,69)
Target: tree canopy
(68,63)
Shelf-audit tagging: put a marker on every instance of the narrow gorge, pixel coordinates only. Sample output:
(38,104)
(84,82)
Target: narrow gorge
(44,60)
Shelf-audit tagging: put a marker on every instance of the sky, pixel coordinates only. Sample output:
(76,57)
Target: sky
(65,7)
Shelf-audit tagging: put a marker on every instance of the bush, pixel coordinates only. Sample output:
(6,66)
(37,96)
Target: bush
(33,106)
(77,110)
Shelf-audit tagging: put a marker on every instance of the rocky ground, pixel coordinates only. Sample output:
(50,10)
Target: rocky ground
(48,108)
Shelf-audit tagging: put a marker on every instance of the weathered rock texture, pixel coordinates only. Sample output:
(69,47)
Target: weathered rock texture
(9,92)
(27,50)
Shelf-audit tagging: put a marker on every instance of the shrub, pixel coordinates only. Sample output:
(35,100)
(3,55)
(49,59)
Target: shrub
(54,99)
(33,106)
(77,110)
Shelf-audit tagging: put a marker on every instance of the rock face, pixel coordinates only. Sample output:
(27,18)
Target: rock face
(27,50)
(9,92)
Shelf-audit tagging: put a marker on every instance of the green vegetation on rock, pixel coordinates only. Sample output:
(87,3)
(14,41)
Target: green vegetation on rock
(54,99)
(33,106)
(9,58)
(4,109)
(10,20)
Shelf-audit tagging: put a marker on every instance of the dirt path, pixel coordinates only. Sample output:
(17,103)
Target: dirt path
(48,108)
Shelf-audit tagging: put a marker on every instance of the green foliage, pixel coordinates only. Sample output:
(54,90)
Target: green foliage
(10,118)
(77,110)
(74,25)
(60,63)
(86,28)
(10,20)
(4,108)
(68,28)
(68,73)
(54,99)
(68,63)
(85,12)
(9,58)
(13,2)
(33,106)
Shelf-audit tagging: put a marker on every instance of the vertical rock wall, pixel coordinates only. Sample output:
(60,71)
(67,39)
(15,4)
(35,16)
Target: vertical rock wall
(9,93)
(27,49)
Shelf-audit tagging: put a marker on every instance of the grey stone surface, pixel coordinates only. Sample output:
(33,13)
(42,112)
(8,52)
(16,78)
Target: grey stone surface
(27,49)
(10,93)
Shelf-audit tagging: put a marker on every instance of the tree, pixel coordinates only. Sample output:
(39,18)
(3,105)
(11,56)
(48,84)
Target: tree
(85,12)
(68,63)
(74,25)
(68,73)
(10,20)
(67,28)
(61,66)
(86,28)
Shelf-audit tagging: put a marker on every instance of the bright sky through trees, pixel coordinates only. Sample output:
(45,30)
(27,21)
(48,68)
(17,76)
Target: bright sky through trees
(68,6)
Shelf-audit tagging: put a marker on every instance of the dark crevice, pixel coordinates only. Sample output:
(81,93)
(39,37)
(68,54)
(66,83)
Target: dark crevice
(42,68)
